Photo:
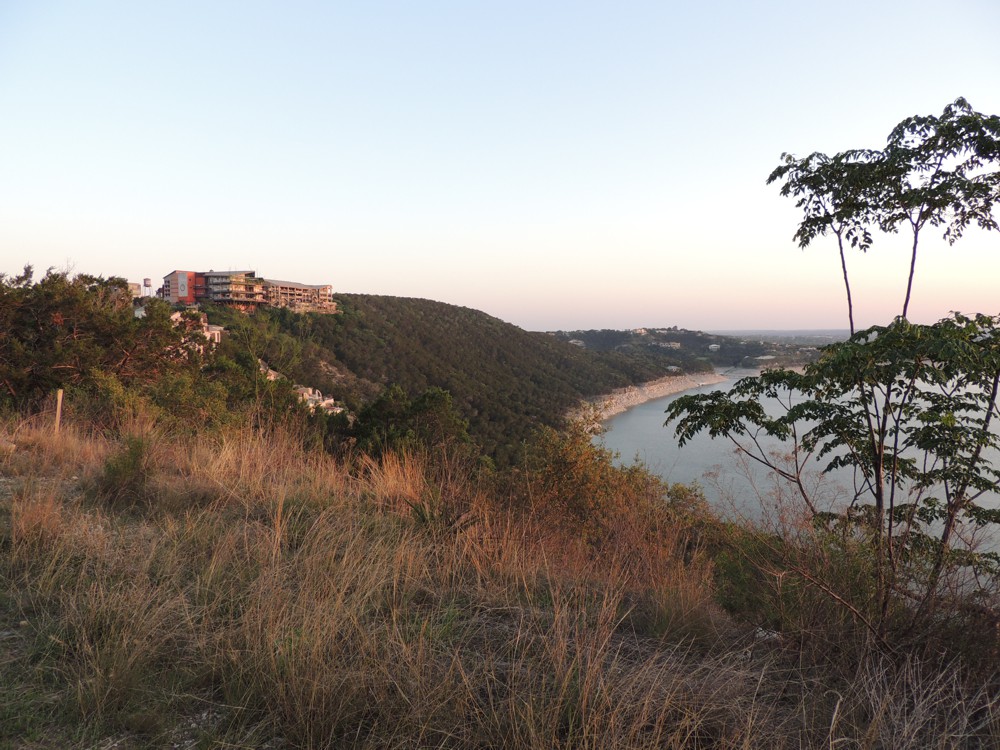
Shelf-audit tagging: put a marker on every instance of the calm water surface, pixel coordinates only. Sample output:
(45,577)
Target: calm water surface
(640,435)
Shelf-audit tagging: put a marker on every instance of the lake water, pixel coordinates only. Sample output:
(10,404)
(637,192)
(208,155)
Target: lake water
(639,434)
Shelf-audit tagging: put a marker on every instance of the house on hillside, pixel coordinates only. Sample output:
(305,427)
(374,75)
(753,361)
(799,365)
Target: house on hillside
(212,333)
(190,322)
(315,400)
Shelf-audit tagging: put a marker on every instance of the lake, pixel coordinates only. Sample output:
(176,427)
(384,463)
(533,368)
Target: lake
(639,434)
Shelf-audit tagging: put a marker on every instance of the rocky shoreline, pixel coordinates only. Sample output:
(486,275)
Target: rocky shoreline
(608,405)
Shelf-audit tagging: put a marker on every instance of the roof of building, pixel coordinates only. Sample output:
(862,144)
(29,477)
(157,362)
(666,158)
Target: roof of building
(295,284)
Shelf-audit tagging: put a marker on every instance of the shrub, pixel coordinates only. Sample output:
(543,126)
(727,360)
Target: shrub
(124,480)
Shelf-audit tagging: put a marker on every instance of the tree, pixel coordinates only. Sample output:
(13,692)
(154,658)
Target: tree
(576,487)
(395,422)
(436,422)
(831,192)
(939,171)
(908,409)
(59,331)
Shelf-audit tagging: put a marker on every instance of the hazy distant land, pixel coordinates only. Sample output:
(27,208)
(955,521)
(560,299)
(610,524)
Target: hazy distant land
(801,337)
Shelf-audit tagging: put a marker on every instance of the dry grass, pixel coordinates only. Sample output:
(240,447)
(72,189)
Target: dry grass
(300,601)
(42,452)
(909,706)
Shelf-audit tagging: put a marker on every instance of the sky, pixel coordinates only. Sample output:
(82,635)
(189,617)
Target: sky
(560,165)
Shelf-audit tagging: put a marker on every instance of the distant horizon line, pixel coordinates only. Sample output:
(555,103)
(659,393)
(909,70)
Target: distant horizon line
(777,330)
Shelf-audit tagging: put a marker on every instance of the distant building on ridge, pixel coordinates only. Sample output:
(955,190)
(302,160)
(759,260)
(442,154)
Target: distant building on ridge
(299,297)
(239,289)
(245,291)
(178,287)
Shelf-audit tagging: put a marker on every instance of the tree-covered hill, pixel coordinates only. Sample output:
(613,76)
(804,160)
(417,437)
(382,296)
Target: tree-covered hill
(505,381)
(452,367)
(692,350)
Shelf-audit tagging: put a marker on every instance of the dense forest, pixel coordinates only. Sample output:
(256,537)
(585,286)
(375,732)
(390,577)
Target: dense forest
(503,380)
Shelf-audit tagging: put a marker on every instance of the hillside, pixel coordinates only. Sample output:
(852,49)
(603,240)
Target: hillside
(692,350)
(452,365)
(455,366)
(505,381)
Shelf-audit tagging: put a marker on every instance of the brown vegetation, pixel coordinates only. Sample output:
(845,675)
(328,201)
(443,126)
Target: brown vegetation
(239,590)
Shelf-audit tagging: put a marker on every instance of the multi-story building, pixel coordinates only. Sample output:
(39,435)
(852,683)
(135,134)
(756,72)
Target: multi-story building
(244,290)
(301,297)
(240,289)
(179,287)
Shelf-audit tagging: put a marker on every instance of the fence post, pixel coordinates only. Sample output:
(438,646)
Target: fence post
(59,396)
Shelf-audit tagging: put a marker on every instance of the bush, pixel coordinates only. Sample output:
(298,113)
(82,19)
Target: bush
(124,480)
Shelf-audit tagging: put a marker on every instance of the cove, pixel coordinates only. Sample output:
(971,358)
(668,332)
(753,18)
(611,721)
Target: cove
(729,484)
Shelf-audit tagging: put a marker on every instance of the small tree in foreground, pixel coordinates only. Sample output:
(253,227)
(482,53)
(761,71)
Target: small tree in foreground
(907,411)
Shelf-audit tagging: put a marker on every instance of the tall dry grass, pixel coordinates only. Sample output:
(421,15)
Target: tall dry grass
(41,452)
(348,608)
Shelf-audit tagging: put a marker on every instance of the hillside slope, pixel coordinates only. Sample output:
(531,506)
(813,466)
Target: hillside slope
(503,379)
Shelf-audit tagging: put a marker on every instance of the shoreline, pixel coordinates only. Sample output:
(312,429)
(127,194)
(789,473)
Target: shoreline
(622,399)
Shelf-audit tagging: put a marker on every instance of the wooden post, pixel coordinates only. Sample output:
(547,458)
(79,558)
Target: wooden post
(59,395)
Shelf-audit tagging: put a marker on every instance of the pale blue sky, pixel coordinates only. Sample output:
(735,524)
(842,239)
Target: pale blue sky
(556,164)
